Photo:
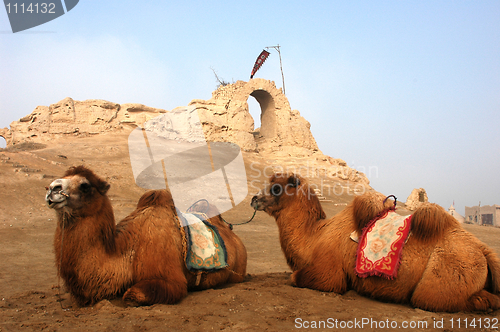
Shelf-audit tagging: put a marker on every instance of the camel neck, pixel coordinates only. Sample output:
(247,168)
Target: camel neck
(96,229)
(297,227)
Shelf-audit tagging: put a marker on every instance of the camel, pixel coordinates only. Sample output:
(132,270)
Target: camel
(140,258)
(443,267)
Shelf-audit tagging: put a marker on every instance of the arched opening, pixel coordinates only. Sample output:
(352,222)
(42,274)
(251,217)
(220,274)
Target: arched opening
(3,143)
(267,114)
(255,112)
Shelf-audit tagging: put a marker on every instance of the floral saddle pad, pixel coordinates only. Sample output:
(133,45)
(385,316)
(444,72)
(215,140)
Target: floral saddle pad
(204,250)
(381,244)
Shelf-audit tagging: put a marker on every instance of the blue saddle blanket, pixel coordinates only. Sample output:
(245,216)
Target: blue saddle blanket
(205,249)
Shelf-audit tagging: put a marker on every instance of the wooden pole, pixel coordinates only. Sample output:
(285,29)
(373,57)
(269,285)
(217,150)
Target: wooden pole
(277,48)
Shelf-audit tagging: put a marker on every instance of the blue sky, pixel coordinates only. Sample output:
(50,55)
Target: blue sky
(409,90)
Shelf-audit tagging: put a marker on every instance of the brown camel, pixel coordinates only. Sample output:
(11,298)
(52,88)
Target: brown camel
(141,257)
(442,268)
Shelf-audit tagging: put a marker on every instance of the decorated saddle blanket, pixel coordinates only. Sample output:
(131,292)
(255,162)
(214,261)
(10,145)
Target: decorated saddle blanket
(204,247)
(381,244)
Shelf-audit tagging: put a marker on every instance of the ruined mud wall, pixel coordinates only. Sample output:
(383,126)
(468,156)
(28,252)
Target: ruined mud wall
(283,131)
(72,117)
(285,136)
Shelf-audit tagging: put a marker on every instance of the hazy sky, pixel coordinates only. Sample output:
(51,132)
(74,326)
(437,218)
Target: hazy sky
(409,90)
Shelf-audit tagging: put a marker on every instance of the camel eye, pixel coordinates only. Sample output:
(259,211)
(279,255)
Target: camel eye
(276,189)
(85,187)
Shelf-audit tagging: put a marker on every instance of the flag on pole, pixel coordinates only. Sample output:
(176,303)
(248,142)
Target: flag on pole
(258,63)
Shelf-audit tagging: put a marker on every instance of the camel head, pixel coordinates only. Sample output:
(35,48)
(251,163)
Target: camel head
(77,189)
(287,190)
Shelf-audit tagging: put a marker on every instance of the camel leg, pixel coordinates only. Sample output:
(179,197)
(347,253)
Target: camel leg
(148,292)
(483,301)
(239,271)
(324,272)
(313,276)
(480,301)
(454,281)
(236,277)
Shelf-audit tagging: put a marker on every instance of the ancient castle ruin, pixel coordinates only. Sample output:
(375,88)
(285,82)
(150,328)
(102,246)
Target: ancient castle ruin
(284,134)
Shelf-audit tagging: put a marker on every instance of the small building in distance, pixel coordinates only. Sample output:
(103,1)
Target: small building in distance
(455,214)
(483,215)
(416,199)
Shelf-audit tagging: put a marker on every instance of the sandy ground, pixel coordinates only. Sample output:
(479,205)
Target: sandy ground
(265,301)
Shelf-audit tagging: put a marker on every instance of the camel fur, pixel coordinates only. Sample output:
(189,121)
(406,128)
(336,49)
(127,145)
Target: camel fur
(141,257)
(443,267)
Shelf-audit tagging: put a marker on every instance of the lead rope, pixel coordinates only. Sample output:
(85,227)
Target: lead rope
(243,223)
(229,224)
(59,298)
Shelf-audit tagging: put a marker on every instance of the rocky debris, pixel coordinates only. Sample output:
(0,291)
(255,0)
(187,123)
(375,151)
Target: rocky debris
(320,196)
(416,198)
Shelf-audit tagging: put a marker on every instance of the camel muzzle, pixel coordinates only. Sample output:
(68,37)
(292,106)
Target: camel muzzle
(56,195)
(255,203)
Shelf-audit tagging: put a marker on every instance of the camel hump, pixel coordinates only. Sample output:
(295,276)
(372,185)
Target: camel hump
(157,198)
(367,207)
(430,221)
(493,270)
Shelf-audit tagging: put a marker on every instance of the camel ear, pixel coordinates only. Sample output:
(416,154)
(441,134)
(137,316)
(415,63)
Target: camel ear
(103,187)
(294,181)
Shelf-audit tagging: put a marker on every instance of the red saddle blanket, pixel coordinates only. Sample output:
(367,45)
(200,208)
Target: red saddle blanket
(381,245)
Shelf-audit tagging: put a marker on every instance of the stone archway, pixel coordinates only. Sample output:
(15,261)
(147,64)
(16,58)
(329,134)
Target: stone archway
(256,112)
(226,117)
(267,113)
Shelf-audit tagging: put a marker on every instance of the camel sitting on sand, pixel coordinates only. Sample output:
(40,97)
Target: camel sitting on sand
(442,268)
(141,257)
